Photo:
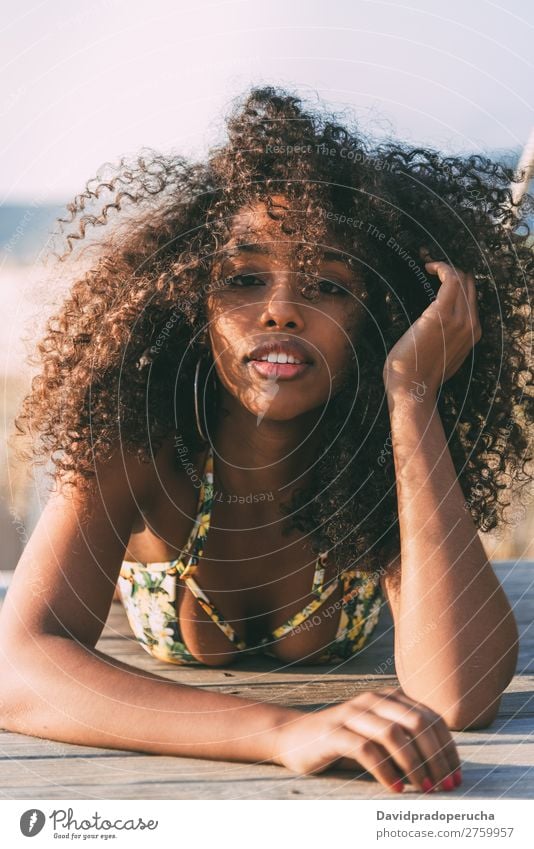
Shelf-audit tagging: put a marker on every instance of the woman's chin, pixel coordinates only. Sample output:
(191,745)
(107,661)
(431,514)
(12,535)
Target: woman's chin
(280,411)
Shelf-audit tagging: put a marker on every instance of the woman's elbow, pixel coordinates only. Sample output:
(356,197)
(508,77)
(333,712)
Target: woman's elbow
(470,715)
(479,707)
(469,707)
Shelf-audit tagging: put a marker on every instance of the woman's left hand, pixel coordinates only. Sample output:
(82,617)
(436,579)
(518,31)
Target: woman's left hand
(436,344)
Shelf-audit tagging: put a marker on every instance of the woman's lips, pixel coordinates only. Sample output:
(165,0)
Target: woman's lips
(282,371)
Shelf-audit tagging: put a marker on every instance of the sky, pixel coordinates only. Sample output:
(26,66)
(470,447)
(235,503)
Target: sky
(84,83)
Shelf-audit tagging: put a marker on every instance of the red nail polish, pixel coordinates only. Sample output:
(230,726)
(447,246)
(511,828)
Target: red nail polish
(448,783)
(427,785)
(457,775)
(398,786)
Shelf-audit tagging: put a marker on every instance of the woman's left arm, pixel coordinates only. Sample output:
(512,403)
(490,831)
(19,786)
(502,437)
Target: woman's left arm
(455,634)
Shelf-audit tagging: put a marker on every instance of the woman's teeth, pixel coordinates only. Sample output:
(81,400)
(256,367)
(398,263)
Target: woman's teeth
(279,358)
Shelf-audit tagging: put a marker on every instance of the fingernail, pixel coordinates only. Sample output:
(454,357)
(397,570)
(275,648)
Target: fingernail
(427,785)
(457,775)
(448,783)
(398,786)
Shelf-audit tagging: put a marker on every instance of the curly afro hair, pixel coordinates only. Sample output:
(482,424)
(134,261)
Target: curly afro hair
(117,361)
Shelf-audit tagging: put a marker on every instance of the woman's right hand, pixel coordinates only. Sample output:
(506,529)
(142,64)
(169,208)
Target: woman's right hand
(385,732)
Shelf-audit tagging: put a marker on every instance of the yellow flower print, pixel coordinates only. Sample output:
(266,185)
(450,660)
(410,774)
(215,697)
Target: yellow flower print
(203,526)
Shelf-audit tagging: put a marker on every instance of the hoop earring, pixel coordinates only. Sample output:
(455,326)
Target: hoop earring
(366,407)
(196,402)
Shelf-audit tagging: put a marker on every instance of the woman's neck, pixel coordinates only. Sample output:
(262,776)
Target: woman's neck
(264,458)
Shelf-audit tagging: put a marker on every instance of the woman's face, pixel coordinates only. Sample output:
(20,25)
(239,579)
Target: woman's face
(258,303)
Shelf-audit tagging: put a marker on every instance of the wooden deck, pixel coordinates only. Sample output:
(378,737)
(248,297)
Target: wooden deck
(497,762)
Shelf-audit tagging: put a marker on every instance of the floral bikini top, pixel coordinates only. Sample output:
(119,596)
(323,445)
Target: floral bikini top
(148,593)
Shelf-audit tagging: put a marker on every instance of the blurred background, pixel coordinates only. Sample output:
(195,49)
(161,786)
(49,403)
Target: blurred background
(82,84)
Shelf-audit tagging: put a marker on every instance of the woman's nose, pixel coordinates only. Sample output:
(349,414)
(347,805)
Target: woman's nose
(281,308)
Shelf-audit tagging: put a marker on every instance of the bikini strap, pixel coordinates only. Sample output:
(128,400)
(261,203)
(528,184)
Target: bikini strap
(297,619)
(187,564)
(318,575)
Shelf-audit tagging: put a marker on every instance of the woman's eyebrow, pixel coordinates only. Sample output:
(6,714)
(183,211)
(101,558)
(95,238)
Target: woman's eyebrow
(253,248)
(335,256)
(265,249)
(247,248)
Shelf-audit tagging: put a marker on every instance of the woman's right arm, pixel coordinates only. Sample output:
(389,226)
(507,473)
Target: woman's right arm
(56,685)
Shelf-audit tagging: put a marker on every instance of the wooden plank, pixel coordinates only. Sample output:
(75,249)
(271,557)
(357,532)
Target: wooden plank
(490,771)
(496,762)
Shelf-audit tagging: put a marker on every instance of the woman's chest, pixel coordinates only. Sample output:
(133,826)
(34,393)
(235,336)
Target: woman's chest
(253,578)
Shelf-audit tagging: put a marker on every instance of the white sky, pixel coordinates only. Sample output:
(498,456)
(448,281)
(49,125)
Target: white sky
(83,83)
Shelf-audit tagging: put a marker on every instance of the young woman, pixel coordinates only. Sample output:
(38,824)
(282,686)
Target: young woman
(293,384)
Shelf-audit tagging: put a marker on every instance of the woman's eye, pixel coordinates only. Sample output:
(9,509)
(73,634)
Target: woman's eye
(331,288)
(243,280)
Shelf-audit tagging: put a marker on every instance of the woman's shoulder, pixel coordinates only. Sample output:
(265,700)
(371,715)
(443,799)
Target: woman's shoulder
(127,476)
